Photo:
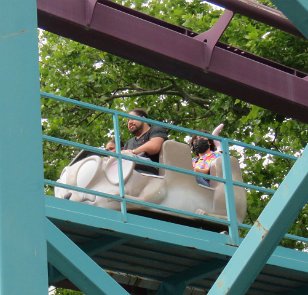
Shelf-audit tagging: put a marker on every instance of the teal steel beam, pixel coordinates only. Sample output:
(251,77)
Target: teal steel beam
(266,233)
(290,259)
(137,226)
(91,248)
(177,283)
(23,252)
(296,11)
(165,232)
(77,266)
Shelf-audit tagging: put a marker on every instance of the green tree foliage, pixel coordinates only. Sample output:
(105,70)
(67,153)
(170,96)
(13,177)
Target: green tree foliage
(73,70)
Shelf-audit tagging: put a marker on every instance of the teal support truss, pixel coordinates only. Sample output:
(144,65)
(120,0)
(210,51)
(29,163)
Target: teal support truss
(91,248)
(23,267)
(266,233)
(77,266)
(296,11)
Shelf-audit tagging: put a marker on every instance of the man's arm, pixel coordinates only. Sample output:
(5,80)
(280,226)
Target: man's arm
(151,147)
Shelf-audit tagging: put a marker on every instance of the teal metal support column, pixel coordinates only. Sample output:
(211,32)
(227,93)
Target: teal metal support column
(266,233)
(120,168)
(23,257)
(229,191)
(77,266)
(296,11)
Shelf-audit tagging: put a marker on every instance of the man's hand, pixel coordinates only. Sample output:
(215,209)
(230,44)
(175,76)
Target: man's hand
(128,152)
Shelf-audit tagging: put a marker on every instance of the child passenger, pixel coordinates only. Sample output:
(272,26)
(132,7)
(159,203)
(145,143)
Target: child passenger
(205,151)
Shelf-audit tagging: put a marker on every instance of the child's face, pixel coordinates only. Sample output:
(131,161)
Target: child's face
(110,147)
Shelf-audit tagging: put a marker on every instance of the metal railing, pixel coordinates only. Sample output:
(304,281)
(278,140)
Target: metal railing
(231,221)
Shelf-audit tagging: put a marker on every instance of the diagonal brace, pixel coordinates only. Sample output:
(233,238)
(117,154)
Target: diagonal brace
(80,269)
(91,248)
(268,230)
(212,36)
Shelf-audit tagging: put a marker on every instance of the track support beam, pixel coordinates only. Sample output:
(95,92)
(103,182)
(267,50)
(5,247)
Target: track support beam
(77,266)
(268,230)
(23,253)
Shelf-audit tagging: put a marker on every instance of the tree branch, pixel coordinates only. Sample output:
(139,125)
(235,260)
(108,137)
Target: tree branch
(163,90)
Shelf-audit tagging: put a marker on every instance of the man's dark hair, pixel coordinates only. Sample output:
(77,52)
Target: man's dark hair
(139,112)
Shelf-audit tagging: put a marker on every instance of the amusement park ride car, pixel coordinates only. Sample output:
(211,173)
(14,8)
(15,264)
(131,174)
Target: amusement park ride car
(170,189)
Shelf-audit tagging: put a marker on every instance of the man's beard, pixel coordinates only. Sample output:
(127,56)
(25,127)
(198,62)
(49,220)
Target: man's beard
(137,131)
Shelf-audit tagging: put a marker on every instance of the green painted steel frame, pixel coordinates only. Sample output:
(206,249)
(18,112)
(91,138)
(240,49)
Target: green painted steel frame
(23,252)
